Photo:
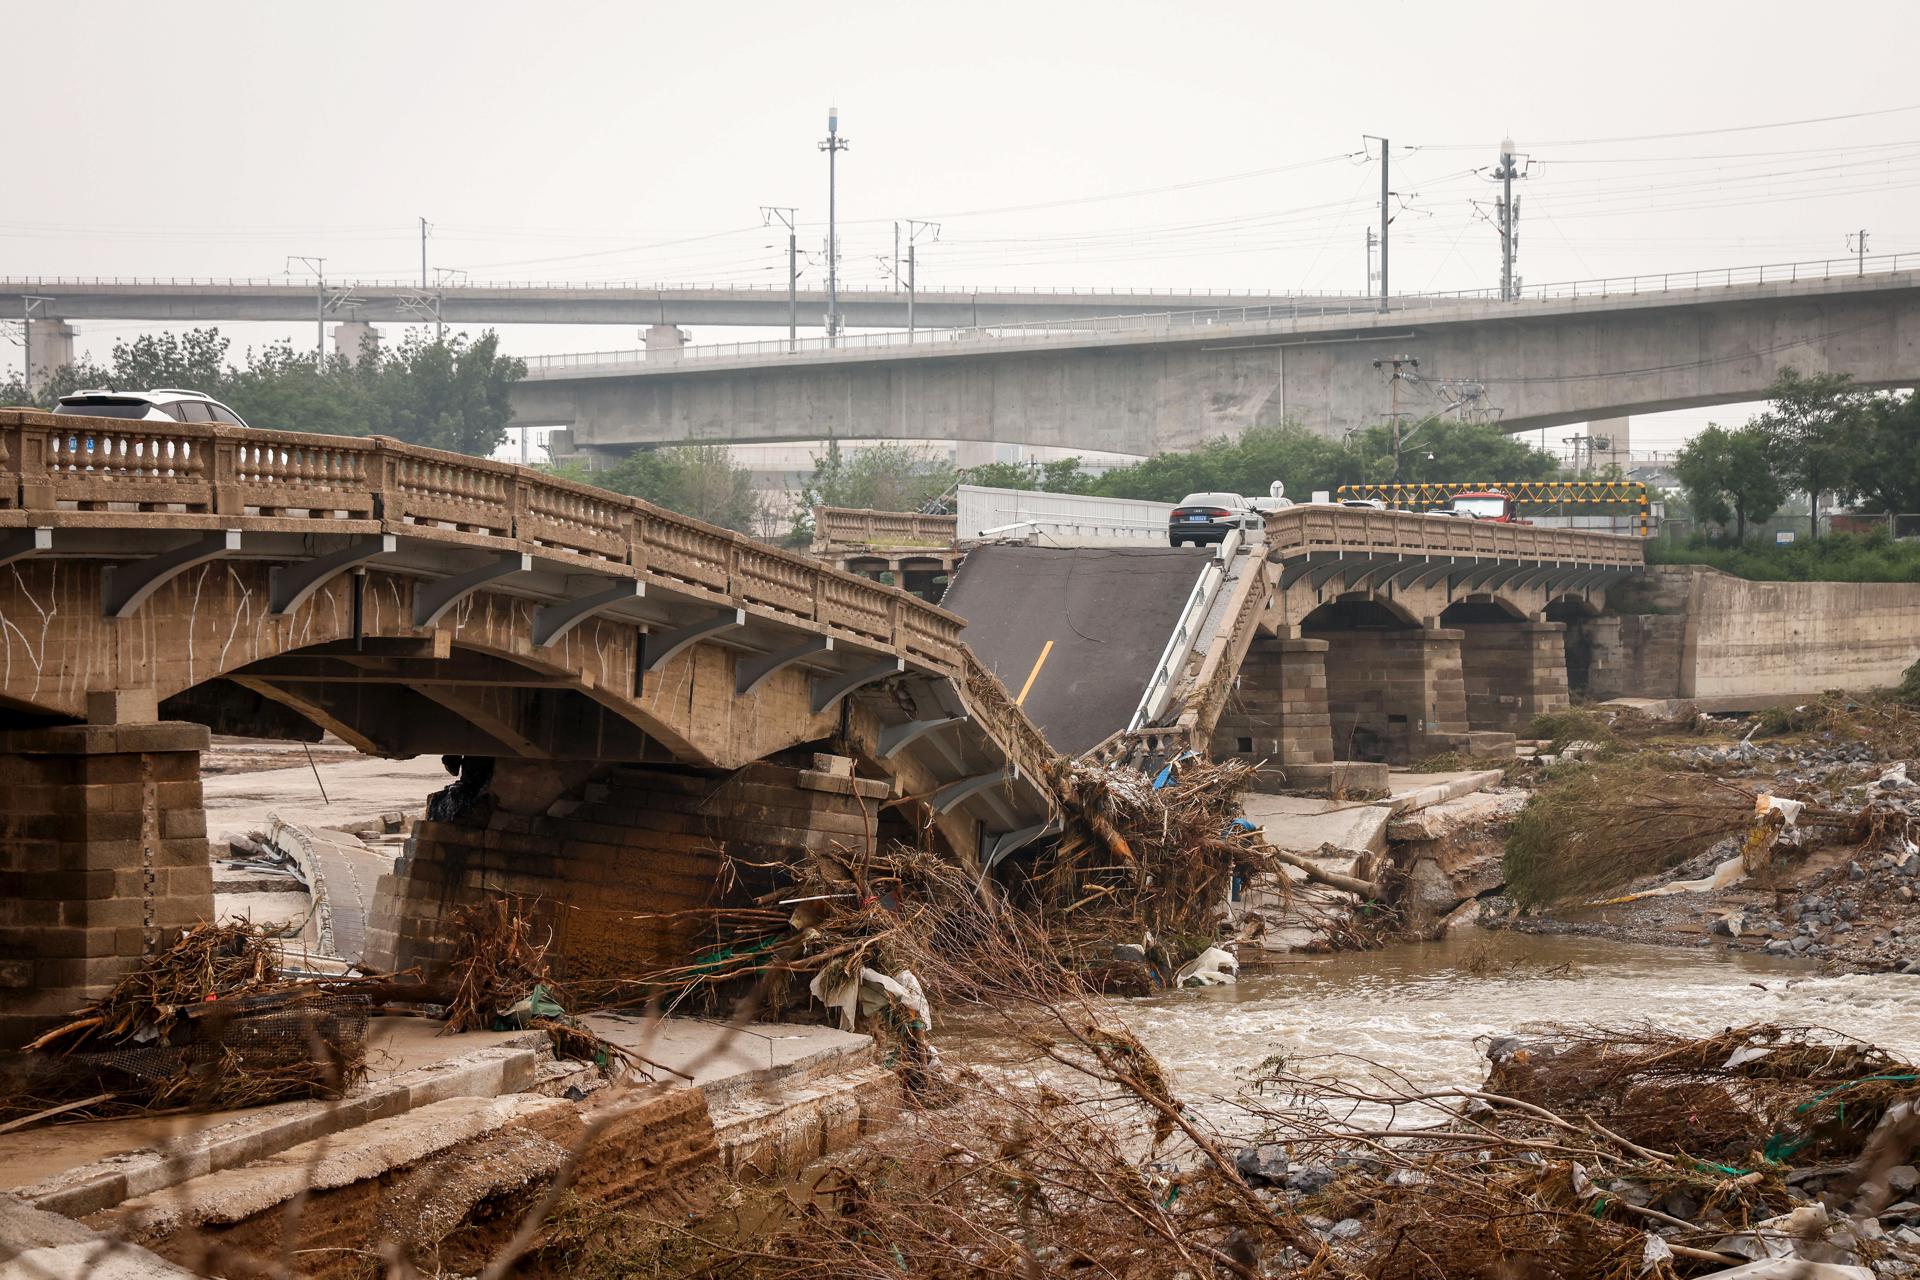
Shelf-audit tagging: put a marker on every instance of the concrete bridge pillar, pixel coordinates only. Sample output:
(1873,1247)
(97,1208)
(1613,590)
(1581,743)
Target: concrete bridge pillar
(1513,671)
(103,856)
(607,856)
(1395,694)
(50,344)
(355,339)
(664,341)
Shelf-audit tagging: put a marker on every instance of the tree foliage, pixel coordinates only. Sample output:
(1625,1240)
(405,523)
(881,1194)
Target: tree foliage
(881,477)
(1441,450)
(1888,477)
(1062,475)
(1729,475)
(1301,459)
(1815,426)
(447,395)
(698,480)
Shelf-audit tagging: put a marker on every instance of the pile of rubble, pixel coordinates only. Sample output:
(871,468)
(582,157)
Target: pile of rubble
(1761,1152)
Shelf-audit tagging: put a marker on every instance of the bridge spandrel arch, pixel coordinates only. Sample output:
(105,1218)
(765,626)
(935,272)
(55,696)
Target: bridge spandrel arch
(214,622)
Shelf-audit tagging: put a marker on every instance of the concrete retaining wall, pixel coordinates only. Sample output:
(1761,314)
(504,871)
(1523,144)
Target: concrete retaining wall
(1728,642)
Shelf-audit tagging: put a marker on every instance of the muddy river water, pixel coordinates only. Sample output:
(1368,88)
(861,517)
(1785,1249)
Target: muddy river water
(1418,1008)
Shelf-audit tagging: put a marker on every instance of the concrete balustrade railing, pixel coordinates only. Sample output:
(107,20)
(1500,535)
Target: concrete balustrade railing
(56,465)
(857,527)
(1305,529)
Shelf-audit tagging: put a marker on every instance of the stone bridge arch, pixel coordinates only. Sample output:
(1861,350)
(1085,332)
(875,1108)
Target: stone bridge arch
(424,603)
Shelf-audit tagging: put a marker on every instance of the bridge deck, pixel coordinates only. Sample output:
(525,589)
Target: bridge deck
(133,505)
(1085,624)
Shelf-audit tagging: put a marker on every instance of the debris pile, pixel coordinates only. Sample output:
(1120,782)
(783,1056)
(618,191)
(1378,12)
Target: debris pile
(1145,860)
(1605,1152)
(1143,866)
(499,980)
(207,1023)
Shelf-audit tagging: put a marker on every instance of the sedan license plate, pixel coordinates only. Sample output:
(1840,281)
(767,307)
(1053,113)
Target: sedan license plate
(1194,519)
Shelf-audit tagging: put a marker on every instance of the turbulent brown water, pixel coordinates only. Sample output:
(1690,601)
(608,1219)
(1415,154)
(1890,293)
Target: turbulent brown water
(1419,1008)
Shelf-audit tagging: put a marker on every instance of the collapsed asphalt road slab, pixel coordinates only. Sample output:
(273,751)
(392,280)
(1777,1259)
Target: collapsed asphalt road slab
(1078,630)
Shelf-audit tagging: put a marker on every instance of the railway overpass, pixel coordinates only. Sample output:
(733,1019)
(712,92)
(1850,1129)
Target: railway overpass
(1151,383)
(61,300)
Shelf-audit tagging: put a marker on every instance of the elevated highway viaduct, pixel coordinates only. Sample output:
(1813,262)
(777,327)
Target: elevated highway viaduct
(1173,382)
(58,301)
(631,697)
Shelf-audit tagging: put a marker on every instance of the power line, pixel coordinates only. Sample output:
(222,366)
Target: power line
(1684,133)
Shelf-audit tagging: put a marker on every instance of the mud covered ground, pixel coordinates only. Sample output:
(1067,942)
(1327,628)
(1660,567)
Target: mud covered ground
(1853,905)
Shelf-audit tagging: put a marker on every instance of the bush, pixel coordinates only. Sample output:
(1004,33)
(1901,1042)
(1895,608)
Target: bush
(1909,691)
(1840,557)
(1559,728)
(1603,826)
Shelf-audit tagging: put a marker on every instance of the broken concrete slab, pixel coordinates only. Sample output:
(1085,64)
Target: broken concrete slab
(362,789)
(1420,790)
(80,1186)
(36,1244)
(333,1160)
(1437,821)
(1303,824)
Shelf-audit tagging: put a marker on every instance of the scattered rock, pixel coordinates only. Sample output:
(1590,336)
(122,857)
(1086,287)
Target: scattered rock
(1310,1179)
(1265,1164)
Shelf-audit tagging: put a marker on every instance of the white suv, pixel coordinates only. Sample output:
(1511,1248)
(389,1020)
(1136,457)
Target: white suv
(162,404)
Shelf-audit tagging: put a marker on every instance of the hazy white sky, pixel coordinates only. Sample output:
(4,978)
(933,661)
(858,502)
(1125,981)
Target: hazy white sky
(1115,143)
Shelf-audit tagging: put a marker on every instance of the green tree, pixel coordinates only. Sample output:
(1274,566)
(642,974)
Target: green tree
(1888,475)
(1729,474)
(1062,475)
(1814,425)
(880,477)
(1302,460)
(698,480)
(1446,450)
(1306,461)
(450,395)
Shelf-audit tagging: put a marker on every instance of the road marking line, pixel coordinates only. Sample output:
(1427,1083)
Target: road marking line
(1034,674)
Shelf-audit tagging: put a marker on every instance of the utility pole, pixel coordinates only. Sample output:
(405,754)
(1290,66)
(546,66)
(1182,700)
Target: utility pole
(1372,240)
(833,146)
(786,215)
(1385,216)
(1509,218)
(1393,383)
(1858,243)
(914,228)
(319,268)
(423,254)
(896,260)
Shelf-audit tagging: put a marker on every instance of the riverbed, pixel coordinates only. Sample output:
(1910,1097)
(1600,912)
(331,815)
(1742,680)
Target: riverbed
(1419,1008)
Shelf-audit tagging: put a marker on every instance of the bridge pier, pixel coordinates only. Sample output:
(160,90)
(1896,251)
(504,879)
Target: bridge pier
(355,339)
(1395,694)
(50,343)
(1596,657)
(1513,672)
(606,855)
(1279,709)
(103,854)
